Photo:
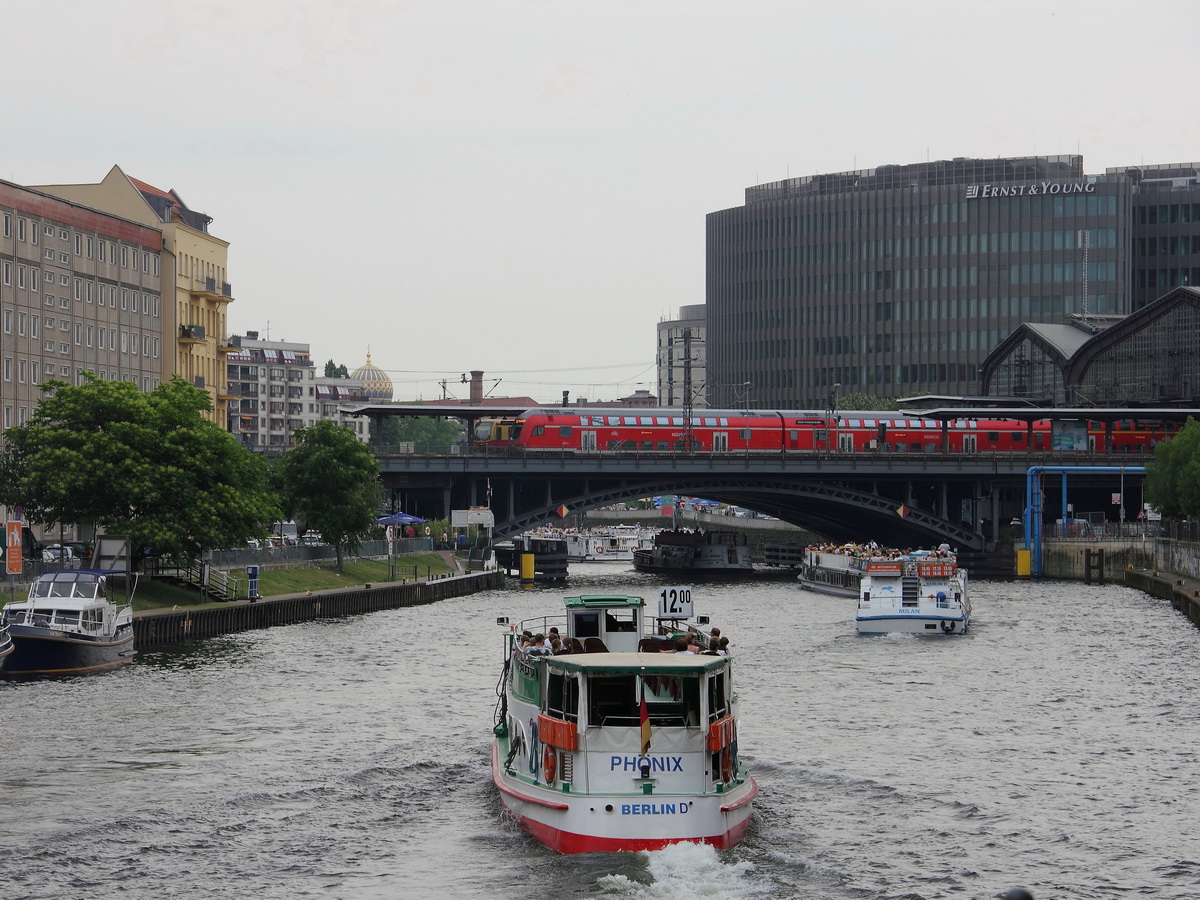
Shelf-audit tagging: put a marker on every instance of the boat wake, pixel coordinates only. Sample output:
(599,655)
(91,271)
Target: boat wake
(686,870)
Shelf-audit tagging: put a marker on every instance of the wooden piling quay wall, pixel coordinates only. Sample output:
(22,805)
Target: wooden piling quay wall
(163,627)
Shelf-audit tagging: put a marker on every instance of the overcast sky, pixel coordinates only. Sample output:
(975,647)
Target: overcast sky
(520,186)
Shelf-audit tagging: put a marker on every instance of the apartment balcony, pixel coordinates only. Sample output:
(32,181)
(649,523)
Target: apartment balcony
(192,334)
(211,289)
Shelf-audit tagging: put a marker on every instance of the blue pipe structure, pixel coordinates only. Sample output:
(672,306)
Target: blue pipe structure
(1033,502)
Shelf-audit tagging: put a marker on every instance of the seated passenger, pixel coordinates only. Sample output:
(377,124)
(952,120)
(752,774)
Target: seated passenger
(681,646)
(714,648)
(539,645)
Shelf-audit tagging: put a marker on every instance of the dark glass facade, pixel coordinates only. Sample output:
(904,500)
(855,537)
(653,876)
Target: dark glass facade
(1166,229)
(899,280)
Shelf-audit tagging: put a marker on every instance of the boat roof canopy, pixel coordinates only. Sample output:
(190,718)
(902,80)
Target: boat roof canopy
(603,601)
(637,663)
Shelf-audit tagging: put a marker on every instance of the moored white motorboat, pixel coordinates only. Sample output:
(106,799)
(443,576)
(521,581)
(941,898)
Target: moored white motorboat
(6,644)
(616,745)
(922,594)
(69,625)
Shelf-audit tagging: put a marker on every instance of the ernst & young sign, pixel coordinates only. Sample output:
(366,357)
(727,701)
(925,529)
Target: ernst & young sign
(982,191)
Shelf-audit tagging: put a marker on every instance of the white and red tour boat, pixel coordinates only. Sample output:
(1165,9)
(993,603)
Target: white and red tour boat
(617,743)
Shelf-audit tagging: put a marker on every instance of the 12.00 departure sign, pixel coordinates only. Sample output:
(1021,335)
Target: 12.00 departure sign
(675,603)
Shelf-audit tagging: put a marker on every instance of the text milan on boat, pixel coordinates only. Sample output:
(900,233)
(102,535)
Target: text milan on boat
(614,744)
(919,593)
(698,553)
(70,625)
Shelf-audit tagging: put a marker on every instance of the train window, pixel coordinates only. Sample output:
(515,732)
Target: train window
(614,445)
(584,421)
(664,445)
(794,435)
(598,421)
(677,421)
(614,420)
(564,431)
(647,445)
(629,420)
(993,436)
(1018,437)
(854,423)
(724,422)
(539,430)
(646,420)
(710,421)
(695,421)
(868,423)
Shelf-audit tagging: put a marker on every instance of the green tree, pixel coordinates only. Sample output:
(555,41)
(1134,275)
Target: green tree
(331,482)
(1173,477)
(860,400)
(332,370)
(149,465)
(429,433)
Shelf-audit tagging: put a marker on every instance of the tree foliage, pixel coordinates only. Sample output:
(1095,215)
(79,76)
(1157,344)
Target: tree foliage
(330,481)
(427,432)
(859,401)
(149,465)
(1173,478)
(333,370)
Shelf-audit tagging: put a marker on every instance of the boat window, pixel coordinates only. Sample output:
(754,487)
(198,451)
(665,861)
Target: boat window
(66,616)
(718,702)
(612,700)
(620,620)
(672,700)
(562,696)
(587,624)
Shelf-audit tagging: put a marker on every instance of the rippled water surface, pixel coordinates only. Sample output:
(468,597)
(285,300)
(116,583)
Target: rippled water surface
(1053,746)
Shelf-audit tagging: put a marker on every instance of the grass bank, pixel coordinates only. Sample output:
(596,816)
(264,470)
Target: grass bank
(152,594)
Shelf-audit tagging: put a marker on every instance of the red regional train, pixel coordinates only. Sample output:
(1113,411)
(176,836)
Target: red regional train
(593,430)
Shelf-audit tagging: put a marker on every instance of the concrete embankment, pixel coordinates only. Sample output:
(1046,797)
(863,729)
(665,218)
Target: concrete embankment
(162,627)
(1183,593)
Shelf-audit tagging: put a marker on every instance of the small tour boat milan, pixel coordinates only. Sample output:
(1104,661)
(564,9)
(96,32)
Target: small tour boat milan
(69,625)
(617,743)
(917,594)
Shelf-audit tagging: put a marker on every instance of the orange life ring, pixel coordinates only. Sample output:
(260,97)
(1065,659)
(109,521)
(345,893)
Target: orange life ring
(726,764)
(549,764)
(599,548)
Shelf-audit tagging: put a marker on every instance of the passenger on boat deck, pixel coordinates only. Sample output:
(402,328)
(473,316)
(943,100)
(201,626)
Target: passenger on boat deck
(552,635)
(556,646)
(715,634)
(714,647)
(539,645)
(723,646)
(681,646)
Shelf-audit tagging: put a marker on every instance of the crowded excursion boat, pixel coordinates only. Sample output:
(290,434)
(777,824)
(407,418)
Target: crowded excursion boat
(624,739)
(698,553)
(921,592)
(833,570)
(614,543)
(69,625)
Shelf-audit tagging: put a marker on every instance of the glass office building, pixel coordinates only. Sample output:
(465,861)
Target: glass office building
(900,280)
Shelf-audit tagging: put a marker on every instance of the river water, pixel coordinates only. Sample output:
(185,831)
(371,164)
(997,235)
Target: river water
(1055,745)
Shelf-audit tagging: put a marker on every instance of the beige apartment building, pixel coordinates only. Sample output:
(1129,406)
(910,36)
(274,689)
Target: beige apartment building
(194,262)
(80,291)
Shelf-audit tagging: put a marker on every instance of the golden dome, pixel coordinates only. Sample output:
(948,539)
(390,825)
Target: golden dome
(375,381)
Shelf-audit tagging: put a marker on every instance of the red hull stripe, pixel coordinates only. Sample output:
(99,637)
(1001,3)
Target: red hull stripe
(569,842)
(738,804)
